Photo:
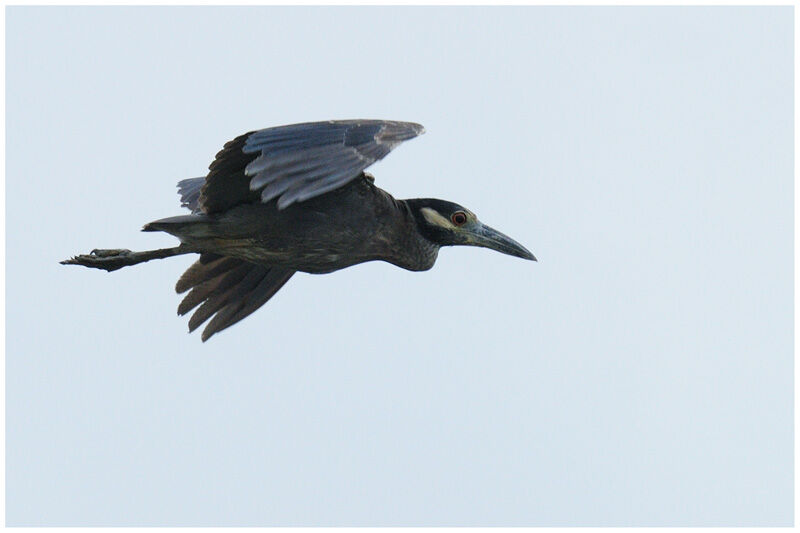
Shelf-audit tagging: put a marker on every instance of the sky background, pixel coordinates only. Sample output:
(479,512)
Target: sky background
(640,373)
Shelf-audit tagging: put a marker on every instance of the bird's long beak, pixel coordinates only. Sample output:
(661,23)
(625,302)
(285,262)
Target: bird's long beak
(483,235)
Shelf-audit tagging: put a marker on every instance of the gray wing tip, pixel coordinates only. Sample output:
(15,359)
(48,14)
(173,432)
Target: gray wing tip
(419,128)
(396,132)
(412,127)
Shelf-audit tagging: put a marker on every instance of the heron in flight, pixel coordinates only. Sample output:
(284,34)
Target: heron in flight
(296,199)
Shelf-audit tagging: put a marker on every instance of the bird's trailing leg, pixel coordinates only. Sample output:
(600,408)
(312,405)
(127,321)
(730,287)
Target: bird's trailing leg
(111,260)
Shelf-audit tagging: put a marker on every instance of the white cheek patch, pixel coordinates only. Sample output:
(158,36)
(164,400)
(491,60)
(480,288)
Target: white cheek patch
(433,217)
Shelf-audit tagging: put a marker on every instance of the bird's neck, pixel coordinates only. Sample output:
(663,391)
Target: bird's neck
(397,238)
(416,252)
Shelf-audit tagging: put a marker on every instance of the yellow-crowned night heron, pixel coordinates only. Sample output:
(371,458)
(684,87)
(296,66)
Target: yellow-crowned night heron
(296,198)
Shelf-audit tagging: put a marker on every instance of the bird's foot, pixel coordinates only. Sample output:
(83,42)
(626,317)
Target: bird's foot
(108,260)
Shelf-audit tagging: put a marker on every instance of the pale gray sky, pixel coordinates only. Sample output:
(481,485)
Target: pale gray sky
(639,374)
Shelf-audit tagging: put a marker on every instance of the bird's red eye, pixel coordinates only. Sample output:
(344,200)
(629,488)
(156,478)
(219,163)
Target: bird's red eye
(459,218)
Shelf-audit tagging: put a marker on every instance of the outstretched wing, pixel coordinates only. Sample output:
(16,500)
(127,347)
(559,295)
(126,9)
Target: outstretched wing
(228,289)
(296,162)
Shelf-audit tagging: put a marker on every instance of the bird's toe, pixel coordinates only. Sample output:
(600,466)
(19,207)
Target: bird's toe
(116,252)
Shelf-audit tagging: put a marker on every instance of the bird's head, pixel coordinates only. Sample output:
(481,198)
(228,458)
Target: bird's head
(449,224)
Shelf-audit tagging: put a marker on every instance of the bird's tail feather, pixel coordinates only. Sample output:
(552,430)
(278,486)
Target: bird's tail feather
(228,289)
(181,226)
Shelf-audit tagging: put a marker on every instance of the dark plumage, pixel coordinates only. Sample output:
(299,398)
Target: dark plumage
(296,198)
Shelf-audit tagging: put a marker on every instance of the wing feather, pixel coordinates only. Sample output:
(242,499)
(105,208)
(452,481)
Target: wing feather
(295,162)
(241,307)
(214,286)
(226,289)
(245,279)
(189,190)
